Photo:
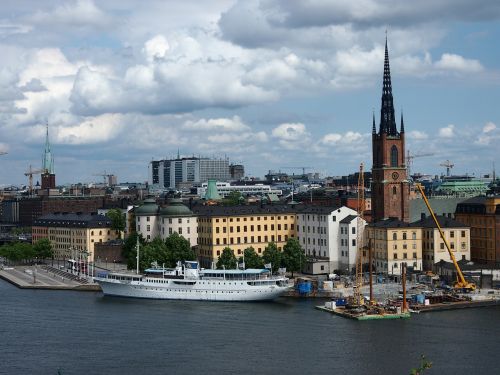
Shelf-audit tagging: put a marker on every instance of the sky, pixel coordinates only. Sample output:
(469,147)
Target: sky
(274,85)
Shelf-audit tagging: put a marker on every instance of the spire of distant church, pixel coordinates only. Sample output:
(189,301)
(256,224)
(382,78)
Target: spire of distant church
(387,120)
(48,160)
(402,123)
(374,129)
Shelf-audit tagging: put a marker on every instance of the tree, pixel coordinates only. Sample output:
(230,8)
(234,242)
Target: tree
(154,251)
(43,248)
(129,251)
(118,222)
(272,255)
(252,259)
(179,249)
(234,198)
(227,260)
(17,251)
(293,255)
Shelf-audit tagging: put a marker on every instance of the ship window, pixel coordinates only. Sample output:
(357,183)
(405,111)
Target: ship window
(394,156)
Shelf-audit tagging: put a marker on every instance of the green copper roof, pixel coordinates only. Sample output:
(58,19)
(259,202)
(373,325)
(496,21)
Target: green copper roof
(175,207)
(48,160)
(148,207)
(212,194)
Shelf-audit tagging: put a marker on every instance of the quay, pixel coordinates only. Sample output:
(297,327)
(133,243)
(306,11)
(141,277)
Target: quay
(45,277)
(345,314)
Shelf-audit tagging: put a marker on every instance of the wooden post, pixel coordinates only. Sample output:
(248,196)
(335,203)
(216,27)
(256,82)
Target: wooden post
(372,301)
(404,287)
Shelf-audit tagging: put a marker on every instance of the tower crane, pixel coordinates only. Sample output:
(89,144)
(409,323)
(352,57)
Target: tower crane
(448,164)
(410,157)
(30,174)
(105,176)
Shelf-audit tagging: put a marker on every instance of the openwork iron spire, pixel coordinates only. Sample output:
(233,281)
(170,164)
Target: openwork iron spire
(387,120)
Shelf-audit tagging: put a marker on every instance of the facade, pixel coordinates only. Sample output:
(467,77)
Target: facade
(237,171)
(72,234)
(394,242)
(154,221)
(433,247)
(390,186)
(318,232)
(482,214)
(170,173)
(349,241)
(225,188)
(240,227)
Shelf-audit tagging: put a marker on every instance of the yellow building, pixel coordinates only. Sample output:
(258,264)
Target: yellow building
(73,233)
(482,215)
(240,227)
(433,247)
(394,242)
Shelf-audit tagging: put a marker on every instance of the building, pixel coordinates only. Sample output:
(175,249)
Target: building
(72,234)
(394,242)
(390,185)
(154,221)
(225,188)
(240,227)
(482,214)
(433,247)
(170,173)
(237,171)
(318,232)
(48,174)
(349,241)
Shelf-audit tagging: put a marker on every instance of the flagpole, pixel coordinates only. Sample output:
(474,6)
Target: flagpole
(137,248)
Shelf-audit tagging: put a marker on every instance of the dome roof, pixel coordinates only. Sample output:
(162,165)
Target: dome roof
(148,207)
(175,207)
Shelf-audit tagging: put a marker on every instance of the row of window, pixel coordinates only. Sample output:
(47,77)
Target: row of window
(321,241)
(239,240)
(237,219)
(405,255)
(321,230)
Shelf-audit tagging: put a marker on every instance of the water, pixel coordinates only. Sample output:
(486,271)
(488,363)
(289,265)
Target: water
(42,332)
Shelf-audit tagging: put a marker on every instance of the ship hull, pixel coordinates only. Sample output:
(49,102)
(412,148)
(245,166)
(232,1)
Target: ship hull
(197,291)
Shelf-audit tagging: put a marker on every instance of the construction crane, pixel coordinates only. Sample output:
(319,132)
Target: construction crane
(303,169)
(358,281)
(448,164)
(461,283)
(410,157)
(106,177)
(30,174)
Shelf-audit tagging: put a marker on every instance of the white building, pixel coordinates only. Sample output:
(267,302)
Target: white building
(318,231)
(225,188)
(349,241)
(153,221)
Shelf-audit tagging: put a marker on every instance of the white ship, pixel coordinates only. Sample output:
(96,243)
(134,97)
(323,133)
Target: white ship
(188,282)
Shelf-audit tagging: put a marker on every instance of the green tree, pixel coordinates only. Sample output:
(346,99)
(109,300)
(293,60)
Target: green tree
(154,251)
(252,259)
(234,198)
(118,222)
(227,260)
(129,252)
(272,255)
(43,249)
(293,256)
(179,249)
(18,251)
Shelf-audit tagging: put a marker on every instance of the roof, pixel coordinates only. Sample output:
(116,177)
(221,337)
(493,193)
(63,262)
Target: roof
(73,220)
(149,207)
(238,272)
(444,222)
(243,210)
(348,219)
(439,205)
(175,207)
(390,223)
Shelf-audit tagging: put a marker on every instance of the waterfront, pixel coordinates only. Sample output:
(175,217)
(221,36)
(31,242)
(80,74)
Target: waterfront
(85,333)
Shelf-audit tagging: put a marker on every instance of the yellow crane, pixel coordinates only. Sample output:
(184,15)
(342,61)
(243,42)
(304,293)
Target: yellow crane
(461,283)
(358,281)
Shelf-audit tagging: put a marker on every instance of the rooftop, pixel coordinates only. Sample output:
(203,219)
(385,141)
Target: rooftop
(77,220)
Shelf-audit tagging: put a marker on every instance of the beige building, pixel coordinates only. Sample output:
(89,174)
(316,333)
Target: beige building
(240,227)
(73,233)
(433,247)
(394,242)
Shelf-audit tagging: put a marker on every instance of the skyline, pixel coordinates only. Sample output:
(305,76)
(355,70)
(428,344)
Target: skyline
(267,83)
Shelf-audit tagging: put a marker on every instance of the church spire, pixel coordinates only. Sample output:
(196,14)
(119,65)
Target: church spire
(48,160)
(374,129)
(402,123)
(387,120)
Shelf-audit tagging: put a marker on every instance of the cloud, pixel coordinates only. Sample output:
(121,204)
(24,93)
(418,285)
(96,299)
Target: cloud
(292,136)
(233,124)
(417,135)
(447,131)
(78,13)
(490,134)
(489,127)
(457,63)
(156,48)
(34,85)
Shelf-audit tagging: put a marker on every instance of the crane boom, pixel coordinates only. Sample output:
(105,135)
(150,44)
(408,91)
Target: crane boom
(461,282)
(358,282)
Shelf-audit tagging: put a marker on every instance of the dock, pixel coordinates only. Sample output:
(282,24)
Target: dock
(45,277)
(363,316)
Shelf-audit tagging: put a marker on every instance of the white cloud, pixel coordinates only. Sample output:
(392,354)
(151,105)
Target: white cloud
(489,127)
(348,138)
(77,13)
(233,124)
(417,135)
(458,63)
(447,131)
(290,132)
(156,48)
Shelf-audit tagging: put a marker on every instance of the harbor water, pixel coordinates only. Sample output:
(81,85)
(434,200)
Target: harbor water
(46,332)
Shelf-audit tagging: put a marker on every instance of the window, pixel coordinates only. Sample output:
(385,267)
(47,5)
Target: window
(180,221)
(413,235)
(404,235)
(441,246)
(452,234)
(147,218)
(394,236)
(394,156)
(414,255)
(395,255)
(394,190)
(463,233)
(353,242)
(353,230)
(334,218)
(188,230)
(180,230)
(148,228)
(169,230)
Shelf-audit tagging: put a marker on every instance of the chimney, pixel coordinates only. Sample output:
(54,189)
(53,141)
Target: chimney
(422,216)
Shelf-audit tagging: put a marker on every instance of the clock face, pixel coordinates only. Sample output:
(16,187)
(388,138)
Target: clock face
(395,175)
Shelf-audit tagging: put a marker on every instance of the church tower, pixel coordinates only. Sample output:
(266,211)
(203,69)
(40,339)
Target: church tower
(48,175)
(390,186)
